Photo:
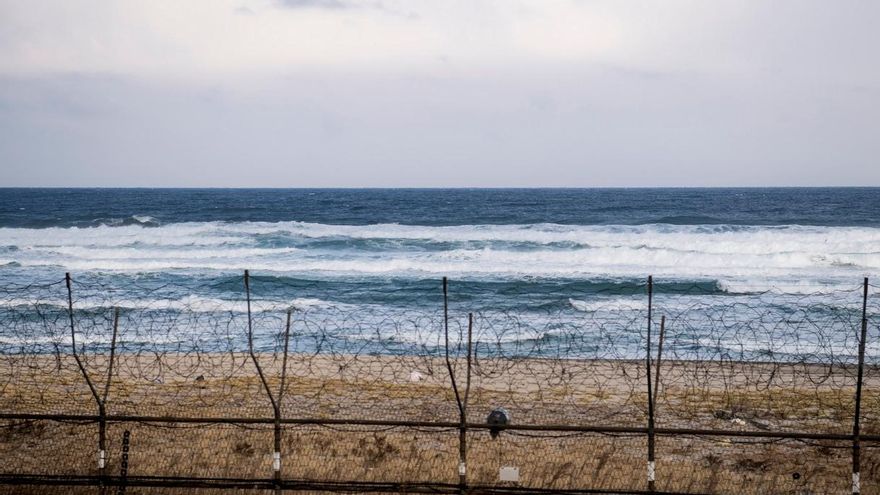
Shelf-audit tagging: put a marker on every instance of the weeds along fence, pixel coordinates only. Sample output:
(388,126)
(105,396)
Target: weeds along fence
(271,384)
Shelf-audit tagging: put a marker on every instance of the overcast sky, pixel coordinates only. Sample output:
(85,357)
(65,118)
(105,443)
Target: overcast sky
(315,93)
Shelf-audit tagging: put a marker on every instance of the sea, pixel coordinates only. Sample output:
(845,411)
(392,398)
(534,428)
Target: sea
(746,273)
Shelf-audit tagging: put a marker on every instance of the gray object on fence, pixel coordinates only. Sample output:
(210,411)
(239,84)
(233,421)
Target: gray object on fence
(497,419)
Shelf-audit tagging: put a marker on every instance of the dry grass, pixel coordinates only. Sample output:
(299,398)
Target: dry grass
(379,388)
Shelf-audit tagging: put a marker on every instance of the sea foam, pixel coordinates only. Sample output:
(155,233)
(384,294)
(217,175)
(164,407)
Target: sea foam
(742,258)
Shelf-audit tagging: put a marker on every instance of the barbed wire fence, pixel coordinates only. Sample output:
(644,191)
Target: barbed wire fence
(283,384)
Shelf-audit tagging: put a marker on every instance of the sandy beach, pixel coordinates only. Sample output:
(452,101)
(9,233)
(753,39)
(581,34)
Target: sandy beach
(732,396)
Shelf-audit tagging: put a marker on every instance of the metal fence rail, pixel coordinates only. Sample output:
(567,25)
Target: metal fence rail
(395,413)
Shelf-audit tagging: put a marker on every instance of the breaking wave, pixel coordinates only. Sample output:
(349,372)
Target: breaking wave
(740,258)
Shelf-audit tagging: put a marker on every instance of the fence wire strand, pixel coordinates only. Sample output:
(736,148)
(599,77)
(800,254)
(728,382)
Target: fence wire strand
(745,359)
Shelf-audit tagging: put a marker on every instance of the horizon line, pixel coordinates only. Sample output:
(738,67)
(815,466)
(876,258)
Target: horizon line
(440,187)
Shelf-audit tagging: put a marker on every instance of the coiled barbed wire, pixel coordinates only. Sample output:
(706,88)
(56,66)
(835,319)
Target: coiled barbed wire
(752,360)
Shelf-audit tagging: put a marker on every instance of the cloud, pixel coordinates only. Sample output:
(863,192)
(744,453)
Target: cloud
(319,4)
(476,92)
(749,39)
(375,5)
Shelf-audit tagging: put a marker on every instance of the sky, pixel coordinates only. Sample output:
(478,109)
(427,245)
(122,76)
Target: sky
(442,93)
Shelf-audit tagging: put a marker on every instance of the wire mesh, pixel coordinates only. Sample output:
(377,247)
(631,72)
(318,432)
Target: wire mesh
(364,389)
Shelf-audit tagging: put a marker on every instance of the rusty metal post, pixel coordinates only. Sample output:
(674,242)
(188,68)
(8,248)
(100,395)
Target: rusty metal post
(856,447)
(102,414)
(276,453)
(276,456)
(462,445)
(462,429)
(650,391)
(102,405)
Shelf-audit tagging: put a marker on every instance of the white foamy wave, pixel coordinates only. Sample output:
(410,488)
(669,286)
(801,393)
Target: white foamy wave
(192,303)
(670,304)
(303,303)
(801,347)
(187,253)
(616,304)
(144,219)
(788,286)
(32,340)
(104,338)
(788,256)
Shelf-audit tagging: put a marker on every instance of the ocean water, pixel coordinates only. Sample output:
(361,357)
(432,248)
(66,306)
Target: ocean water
(540,267)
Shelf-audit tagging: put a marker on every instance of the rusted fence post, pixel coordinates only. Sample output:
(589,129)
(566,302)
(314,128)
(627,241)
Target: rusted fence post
(276,456)
(102,408)
(276,407)
(99,400)
(650,391)
(460,402)
(462,429)
(856,447)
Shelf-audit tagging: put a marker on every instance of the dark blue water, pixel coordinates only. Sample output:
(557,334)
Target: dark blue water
(734,268)
(35,208)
